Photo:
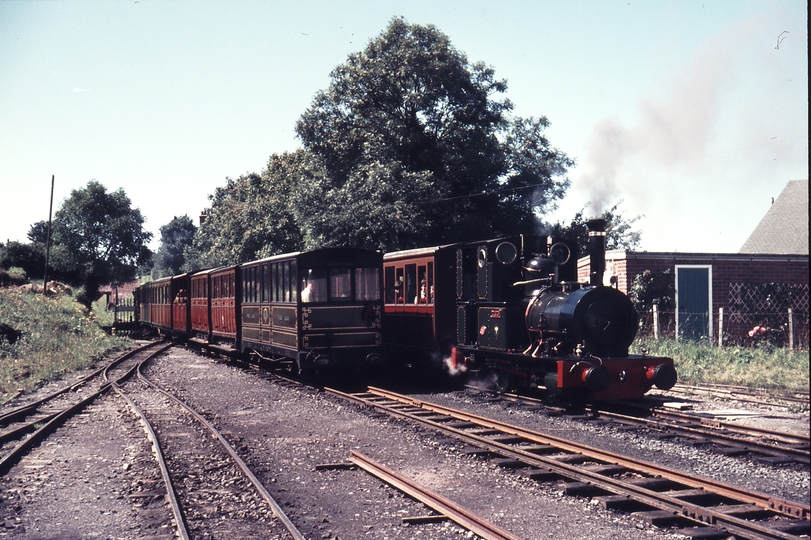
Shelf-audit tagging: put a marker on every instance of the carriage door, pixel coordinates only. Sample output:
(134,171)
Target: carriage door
(693,302)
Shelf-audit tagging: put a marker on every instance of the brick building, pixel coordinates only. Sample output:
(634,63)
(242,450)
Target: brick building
(755,286)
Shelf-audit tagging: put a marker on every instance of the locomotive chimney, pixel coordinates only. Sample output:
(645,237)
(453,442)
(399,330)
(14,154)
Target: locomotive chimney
(596,250)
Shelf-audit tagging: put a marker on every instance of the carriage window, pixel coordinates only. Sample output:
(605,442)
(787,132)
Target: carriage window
(291,284)
(389,284)
(411,283)
(367,284)
(340,281)
(430,283)
(399,284)
(284,274)
(265,283)
(314,285)
(423,293)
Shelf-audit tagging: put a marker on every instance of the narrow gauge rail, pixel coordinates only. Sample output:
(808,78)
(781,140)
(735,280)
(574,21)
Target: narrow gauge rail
(447,508)
(739,393)
(661,495)
(188,454)
(41,417)
(734,439)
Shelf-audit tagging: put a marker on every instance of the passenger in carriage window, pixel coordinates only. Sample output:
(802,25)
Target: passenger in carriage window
(422,297)
(398,289)
(308,292)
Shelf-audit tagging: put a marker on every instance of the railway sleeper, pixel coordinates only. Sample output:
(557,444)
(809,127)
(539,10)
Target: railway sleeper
(541,475)
(655,484)
(583,489)
(622,503)
(512,464)
(704,533)
(662,518)
(698,496)
(797,527)
(508,439)
(743,511)
(606,470)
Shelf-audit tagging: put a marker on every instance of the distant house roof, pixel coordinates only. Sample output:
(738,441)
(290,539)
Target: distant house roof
(784,228)
(124,289)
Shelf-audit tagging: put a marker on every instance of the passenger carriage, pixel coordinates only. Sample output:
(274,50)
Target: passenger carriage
(200,310)
(181,312)
(420,302)
(318,309)
(224,306)
(159,304)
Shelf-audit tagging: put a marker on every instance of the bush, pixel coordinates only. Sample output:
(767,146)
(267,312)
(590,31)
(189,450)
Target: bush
(57,336)
(12,277)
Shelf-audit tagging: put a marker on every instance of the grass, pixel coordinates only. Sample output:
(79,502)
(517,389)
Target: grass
(59,336)
(762,366)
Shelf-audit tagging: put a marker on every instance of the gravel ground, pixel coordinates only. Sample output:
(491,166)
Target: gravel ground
(82,483)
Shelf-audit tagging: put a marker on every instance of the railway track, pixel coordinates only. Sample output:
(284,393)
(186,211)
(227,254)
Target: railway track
(32,422)
(739,393)
(702,507)
(210,488)
(732,439)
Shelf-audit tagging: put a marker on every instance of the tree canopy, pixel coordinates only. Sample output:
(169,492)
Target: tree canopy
(410,145)
(175,237)
(253,216)
(410,125)
(98,236)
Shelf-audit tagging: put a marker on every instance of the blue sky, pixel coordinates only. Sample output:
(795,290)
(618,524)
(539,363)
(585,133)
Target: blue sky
(694,113)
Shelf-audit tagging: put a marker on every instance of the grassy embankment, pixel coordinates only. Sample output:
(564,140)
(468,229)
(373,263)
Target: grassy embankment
(58,336)
(761,366)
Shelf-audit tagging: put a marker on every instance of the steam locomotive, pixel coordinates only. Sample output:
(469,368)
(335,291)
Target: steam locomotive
(512,310)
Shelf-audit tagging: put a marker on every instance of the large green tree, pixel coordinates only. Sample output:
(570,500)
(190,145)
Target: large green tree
(410,145)
(176,236)
(417,144)
(99,237)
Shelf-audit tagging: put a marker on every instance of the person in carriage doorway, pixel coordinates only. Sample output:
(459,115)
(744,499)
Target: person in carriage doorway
(422,297)
(308,292)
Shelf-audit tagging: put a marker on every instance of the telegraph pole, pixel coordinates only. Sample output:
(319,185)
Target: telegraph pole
(48,242)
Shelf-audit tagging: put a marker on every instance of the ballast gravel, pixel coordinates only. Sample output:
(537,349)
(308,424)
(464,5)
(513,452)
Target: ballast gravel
(85,484)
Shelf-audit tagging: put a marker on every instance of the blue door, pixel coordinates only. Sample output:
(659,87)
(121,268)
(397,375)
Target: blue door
(693,302)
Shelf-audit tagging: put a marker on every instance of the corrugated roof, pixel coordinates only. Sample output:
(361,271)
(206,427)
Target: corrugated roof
(784,228)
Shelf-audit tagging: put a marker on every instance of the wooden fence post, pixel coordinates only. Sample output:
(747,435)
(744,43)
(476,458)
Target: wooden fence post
(720,327)
(790,329)
(656,322)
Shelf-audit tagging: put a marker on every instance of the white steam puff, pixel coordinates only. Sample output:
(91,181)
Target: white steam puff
(673,132)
